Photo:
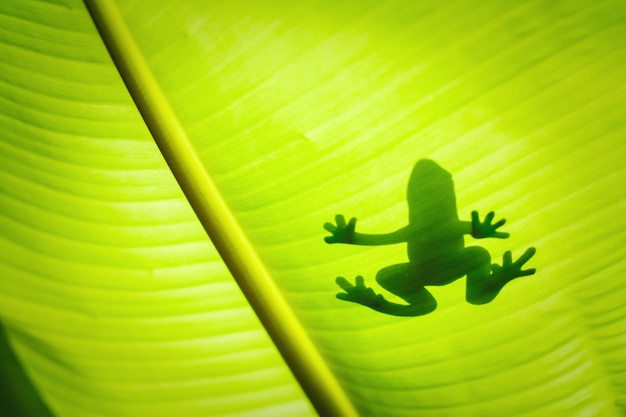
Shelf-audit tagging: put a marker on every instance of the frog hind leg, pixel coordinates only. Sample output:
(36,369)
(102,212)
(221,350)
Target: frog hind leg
(400,280)
(480,288)
(485,281)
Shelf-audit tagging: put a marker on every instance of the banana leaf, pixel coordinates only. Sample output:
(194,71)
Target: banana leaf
(177,180)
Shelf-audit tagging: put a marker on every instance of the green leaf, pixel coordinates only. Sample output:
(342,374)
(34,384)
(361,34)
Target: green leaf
(116,301)
(18,397)
(274,117)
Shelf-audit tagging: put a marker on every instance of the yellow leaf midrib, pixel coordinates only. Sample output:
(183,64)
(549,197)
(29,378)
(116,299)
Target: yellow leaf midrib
(290,338)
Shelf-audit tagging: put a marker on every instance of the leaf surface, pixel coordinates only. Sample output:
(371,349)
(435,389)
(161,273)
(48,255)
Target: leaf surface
(114,298)
(297,112)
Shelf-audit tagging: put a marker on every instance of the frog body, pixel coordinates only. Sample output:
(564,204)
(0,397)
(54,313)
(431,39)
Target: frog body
(435,247)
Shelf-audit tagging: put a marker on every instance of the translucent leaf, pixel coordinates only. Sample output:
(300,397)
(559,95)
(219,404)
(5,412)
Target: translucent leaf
(118,304)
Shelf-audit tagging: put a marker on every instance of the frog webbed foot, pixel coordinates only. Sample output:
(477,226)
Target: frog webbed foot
(509,269)
(358,293)
(482,230)
(341,232)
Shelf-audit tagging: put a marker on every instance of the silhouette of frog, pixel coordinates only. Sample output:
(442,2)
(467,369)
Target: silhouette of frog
(436,250)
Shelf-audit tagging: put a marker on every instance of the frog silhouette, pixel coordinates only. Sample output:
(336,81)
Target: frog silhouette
(435,247)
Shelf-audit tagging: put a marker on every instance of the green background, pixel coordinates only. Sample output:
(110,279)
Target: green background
(116,302)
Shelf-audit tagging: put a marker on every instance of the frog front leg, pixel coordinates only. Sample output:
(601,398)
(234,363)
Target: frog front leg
(344,232)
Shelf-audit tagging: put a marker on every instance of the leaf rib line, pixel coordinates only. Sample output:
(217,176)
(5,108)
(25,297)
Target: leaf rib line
(290,338)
